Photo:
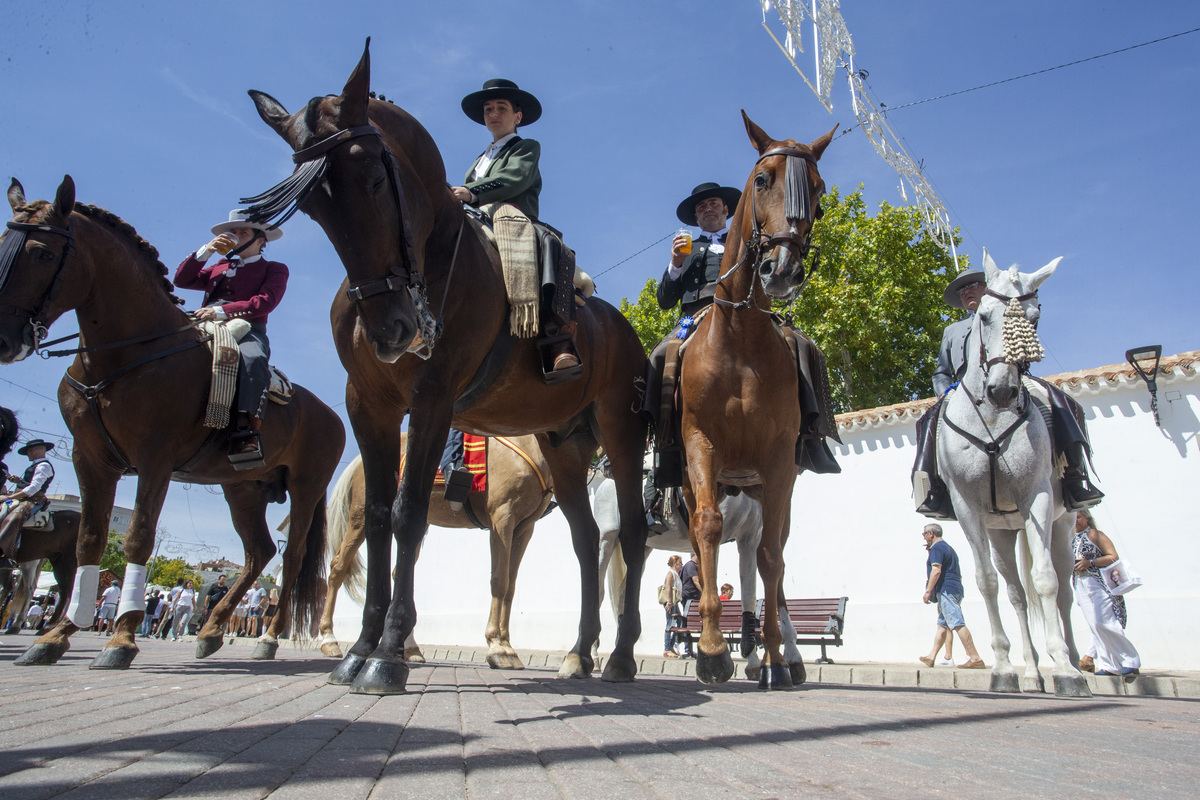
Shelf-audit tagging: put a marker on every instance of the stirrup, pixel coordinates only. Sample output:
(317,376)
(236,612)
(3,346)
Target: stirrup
(546,347)
(1079,493)
(245,458)
(458,486)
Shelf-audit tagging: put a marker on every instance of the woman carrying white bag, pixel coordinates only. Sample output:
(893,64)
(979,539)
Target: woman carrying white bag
(1111,652)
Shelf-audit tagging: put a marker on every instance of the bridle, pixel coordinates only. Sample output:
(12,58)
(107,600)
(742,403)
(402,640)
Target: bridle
(281,201)
(35,329)
(797,208)
(1003,358)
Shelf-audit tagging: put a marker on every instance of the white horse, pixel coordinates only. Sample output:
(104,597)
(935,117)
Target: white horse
(743,526)
(996,455)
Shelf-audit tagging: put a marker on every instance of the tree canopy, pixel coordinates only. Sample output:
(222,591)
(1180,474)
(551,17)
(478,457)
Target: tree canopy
(874,307)
(165,571)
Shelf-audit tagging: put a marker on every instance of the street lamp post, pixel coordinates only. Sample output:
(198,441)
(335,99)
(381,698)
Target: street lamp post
(1145,362)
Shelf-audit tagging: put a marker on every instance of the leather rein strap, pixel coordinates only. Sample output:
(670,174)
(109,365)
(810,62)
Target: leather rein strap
(993,447)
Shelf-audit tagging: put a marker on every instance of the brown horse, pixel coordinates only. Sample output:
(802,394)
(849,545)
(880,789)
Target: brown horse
(145,379)
(517,496)
(381,197)
(739,386)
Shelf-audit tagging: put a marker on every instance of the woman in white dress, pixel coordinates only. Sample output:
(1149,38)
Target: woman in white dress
(1111,652)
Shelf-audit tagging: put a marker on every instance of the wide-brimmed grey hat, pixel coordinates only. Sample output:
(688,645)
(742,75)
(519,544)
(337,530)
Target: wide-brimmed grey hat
(237,219)
(501,89)
(35,443)
(964,279)
(687,209)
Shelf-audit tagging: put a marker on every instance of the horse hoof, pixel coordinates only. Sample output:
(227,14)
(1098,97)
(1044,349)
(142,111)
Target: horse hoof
(753,673)
(776,676)
(41,655)
(1006,682)
(208,645)
(497,660)
(331,650)
(714,669)
(413,655)
(381,676)
(1071,686)
(576,666)
(114,658)
(1033,685)
(515,662)
(620,668)
(799,676)
(345,673)
(264,651)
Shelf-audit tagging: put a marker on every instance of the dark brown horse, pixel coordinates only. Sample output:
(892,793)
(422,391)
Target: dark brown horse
(373,178)
(146,377)
(57,545)
(739,384)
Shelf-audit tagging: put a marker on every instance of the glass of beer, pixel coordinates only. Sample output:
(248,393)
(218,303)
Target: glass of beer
(224,249)
(687,235)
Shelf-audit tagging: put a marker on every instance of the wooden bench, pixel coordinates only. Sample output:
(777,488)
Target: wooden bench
(817,621)
(730,624)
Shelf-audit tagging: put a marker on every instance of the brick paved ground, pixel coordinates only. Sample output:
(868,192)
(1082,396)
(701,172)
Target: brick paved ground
(231,728)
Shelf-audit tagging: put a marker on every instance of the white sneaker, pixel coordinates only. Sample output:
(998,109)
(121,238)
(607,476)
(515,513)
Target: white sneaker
(945,662)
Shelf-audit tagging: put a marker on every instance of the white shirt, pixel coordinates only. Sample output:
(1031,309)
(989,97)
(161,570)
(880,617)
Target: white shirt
(715,246)
(111,596)
(489,155)
(41,473)
(255,597)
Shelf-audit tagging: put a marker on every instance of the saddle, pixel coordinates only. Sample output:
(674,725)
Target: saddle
(40,520)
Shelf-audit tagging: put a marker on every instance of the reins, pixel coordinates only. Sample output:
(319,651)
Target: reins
(35,330)
(797,201)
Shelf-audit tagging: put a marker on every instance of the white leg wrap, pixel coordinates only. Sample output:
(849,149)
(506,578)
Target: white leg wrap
(87,584)
(133,591)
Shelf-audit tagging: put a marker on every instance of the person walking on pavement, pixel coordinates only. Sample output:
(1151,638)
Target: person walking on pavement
(943,585)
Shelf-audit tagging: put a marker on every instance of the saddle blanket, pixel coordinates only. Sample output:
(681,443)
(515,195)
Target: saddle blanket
(39,520)
(223,344)
(474,462)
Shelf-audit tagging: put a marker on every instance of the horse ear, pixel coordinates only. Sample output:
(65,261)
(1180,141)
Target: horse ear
(271,110)
(762,143)
(64,199)
(818,147)
(1037,278)
(352,103)
(16,194)
(990,270)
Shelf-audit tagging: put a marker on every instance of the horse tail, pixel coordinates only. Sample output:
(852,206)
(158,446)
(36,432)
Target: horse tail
(308,590)
(1032,601)
(616,579)
(338,522)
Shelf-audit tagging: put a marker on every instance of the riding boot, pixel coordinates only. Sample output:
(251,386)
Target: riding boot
(813,454)
(927,483)
(245,443)
(652,499)
(1078,491)
(458,486)
(10,527)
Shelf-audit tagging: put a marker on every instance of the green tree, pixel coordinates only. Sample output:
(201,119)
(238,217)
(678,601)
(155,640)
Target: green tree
(875,305)
(166,571)
(650,321)
(114,555)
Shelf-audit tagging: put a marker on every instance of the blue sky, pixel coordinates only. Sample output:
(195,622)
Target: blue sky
(144,104)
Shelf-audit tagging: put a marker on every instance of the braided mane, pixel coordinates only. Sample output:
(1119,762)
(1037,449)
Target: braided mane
(122,228)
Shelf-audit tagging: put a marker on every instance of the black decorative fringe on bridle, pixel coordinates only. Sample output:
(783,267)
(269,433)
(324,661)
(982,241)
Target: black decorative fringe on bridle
(276,205)
(796,190)
(12,245)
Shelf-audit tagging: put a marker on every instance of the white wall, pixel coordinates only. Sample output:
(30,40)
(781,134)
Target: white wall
(855,534)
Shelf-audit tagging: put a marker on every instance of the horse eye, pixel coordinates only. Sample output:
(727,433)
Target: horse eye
(760,181)
(44,255)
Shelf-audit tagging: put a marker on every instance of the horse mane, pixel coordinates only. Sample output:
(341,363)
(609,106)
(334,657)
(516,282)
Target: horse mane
(9,430)
(122,229)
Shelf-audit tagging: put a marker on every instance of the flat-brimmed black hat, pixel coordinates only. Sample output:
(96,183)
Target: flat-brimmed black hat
(501,89)
(964,279)
(35,443)
(687,209)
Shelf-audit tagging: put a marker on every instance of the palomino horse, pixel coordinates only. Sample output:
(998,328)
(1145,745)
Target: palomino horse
(126,401)
(57,545)
(996,455)
(374,180)
(739,388)
(517,496)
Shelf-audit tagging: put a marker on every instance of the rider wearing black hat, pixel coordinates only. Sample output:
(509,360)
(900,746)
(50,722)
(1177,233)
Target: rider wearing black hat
(29,497)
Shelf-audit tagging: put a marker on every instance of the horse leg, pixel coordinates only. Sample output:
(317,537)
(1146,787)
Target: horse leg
(18,602)
(385,670)
(1063,557)
(500,539)
(776,671)
(714,664)
(747,546)
(520,541)
(378,436)
(120,650)
(63,565)
(1004,676)
(339,568)
(568,466)
(1004,556)
(1068,681)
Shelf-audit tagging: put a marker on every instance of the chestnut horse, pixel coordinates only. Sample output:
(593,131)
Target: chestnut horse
(145,379)
(739,389)
(374,180)
(518,494)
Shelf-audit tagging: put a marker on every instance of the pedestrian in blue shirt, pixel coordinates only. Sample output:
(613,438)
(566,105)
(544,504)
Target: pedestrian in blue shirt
(943,585)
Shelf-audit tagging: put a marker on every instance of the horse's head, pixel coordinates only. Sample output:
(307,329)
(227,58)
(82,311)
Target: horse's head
(34,252)
(348,180)
(1008,317)
(784,195)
